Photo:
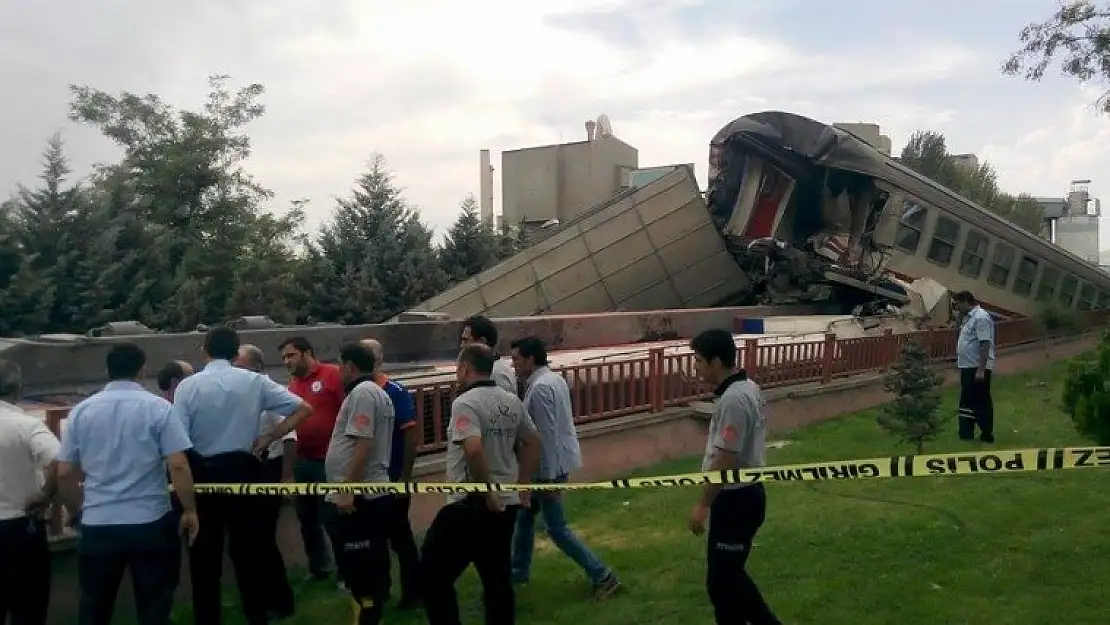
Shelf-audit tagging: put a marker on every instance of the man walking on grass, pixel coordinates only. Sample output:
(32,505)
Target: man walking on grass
(547,400)
(737,440)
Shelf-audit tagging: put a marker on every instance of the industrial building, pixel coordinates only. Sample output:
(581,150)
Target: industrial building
(1072,221)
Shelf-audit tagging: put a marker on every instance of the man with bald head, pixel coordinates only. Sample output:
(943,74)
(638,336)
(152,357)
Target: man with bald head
(406,438)
(170,375)
(278,468)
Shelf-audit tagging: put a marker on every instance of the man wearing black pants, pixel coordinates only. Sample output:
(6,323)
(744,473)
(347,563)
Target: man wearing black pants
(406,439)
(359,451)
(220,407)
(28,483)
(121,440)
(737,439)
(975,361)
(277,467)
(490,439)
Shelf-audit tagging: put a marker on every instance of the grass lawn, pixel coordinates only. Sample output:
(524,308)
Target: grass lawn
(1005,549)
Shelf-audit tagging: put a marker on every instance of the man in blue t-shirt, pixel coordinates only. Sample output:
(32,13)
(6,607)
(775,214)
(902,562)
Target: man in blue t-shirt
(406,438)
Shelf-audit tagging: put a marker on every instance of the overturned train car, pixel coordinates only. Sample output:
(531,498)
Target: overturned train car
(811,212)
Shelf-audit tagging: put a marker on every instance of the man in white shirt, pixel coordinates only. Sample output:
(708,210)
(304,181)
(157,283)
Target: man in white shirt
(279,468)
(28,483)
(478,330)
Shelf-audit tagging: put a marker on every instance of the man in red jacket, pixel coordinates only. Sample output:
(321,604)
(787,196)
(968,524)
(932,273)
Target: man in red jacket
(321,385)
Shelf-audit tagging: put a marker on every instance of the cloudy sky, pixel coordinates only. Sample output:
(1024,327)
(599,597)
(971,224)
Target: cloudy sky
(427,83)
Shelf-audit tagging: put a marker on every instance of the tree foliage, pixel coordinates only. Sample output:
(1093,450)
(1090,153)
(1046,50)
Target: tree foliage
(927,153)
(914,415)
(1077,36)
(1086,397)
(472,246)
(178,233)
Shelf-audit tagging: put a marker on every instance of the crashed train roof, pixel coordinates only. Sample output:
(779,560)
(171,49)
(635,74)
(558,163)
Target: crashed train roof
(790,138)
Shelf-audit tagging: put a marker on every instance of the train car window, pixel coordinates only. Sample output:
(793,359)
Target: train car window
(1001,262)
(1050,277)
(1026,273)
(1087,297)
(1104,300)
(943,245)
(1067,291)
(910,225)
(975,253)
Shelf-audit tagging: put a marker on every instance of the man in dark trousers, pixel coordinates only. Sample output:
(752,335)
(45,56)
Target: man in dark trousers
(737,440)
(278,467)
(321,385)
(975,361)
(490,438)
(28,484)
(220,408)
(406,439)
(121,441)
(359,451)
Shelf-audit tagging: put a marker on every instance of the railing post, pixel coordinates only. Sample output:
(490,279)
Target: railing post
(828,358)
(751,358)
(656,379)
(889,354)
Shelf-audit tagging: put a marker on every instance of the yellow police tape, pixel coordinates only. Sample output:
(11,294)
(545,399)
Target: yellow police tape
(924,465)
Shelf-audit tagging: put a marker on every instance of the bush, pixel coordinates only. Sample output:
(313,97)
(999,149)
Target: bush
(1056,321)
(914,415)
(1086,397)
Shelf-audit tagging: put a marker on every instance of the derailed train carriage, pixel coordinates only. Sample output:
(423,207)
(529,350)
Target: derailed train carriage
(813,213)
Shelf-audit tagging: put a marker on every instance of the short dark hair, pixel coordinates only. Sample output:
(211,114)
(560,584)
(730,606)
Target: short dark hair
(532,347)
(481,328)
(715,344)
(170,372)
(357,355)
(298,343)
(125,361)
(478,357)
(222,343)
(964,297)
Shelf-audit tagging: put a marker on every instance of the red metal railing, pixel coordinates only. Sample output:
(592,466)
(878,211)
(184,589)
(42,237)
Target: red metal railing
(658,379)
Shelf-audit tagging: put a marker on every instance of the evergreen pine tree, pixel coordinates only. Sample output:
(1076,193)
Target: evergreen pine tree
(470,246)
(914,415)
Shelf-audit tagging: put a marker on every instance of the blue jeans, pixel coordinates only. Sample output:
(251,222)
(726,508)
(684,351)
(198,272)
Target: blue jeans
(550,505)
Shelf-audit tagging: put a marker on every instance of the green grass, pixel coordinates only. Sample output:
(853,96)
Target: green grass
(1024,548)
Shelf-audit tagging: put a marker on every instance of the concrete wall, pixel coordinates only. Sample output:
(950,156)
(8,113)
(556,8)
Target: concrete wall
(78,366)
(561,181)
(651,248)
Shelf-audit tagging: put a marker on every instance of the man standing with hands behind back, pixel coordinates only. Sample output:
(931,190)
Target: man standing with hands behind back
(737,440)
(406,438)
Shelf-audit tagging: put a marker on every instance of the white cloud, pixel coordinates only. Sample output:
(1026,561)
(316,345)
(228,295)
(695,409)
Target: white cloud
(428,83)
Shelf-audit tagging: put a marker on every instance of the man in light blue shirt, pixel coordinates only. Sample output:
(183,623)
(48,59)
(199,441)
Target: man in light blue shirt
(221,407)
(547,401)
(121,440)
(975,361)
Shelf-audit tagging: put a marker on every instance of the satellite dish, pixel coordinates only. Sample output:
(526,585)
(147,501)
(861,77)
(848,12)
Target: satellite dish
(604,128)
